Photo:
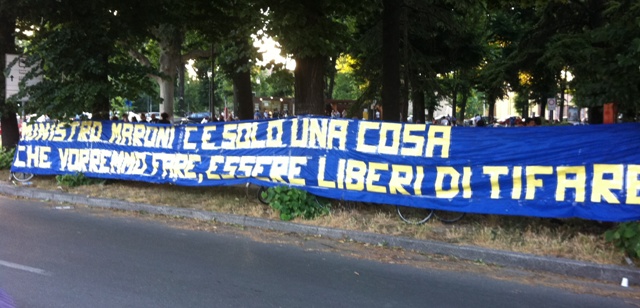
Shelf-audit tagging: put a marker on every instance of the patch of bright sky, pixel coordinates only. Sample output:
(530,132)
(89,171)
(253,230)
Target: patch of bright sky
(269,49)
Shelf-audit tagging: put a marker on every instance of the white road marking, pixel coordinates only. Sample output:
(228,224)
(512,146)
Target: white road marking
(24,268)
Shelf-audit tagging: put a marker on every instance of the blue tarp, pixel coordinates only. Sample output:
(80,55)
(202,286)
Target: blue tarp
(586,171)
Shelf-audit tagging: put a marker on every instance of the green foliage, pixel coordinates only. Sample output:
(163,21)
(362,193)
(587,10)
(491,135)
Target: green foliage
(293,202)
(77,179)
(626,236)
(346,87)
(6,158)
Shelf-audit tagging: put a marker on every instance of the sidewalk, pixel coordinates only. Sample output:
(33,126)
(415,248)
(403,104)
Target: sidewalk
(608,273)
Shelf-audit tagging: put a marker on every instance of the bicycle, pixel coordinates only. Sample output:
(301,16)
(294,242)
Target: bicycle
(417,216)
(22,177)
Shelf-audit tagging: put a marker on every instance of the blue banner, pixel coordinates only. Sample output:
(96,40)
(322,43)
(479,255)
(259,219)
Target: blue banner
(591,172)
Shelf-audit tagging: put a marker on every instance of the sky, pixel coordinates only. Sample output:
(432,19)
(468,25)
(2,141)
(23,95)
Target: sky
(270,51)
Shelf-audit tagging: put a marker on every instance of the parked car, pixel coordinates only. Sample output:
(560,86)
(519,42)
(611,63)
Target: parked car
(197,117)
(157,114)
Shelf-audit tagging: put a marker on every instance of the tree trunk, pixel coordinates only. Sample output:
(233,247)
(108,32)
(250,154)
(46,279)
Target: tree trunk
(331,72)
(418,106)
(432,103)
(309,85)
(242,96)
(463,107)
(102,105)
(492,107)
(407,82)
(8,121)
(181,74)
(391,60)
(170,41)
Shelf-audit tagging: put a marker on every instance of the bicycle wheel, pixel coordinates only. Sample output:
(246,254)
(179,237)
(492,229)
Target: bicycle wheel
(21,176)
(414,216)
(448,216)
(264,195)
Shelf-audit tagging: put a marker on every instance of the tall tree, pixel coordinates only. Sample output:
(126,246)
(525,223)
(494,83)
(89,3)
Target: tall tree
(391,60)
(74,47)
(311,32)
(8,121)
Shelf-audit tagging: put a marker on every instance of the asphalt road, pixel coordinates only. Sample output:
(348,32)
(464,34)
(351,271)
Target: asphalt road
(67,258)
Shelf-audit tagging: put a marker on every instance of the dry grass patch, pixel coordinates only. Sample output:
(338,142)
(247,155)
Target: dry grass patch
(572,238)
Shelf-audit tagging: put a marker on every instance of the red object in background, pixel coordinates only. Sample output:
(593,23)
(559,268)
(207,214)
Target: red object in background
(610,113)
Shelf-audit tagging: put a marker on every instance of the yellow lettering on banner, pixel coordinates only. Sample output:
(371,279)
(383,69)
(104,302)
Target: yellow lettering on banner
(516,191)
(214,162)
(412,145)
(373,176)
(295,127)
(417,185)
(32,156)
(188,164)
(338,130)
(401,177)
(245,131)
(341,172)
(578,183)
(494,173)
(176,166)
(116,133)
(229,136)
(73,130)
(438,135)
(230,167)
(27,131)
(98,161)
(257,144)
(139,131)
(318,129)
(394,129)
(633,184)
(533,182)
(246,165)
(43,157)
(59,132)
(90,131)
(322,164)
(154,166)
(64,158)
(601,187)
(17,162)
(207,137)
(165,137)
(36,156)
(295,164)
(442,172)
(466,183)
(355,174)
(261,161)
(279,168)
(187,135)
(34,131)
(127,130)
(275,131)
(363,127)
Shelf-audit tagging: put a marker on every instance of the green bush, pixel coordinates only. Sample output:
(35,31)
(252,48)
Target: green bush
(293,202)
(6,158)
(626,236)
(77,179)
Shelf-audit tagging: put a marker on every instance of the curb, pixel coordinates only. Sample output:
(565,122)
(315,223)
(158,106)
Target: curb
(609,273)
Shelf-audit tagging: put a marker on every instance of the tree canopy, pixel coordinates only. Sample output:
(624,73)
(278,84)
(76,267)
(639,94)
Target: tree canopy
(427,51)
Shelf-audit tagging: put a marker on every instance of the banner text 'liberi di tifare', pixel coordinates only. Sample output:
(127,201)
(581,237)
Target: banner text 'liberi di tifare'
(590,172)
